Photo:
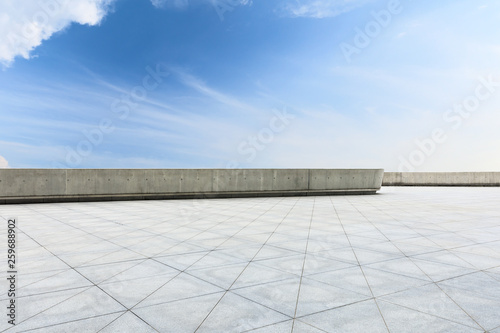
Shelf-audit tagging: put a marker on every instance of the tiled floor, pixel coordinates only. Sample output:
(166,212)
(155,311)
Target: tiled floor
(405,260)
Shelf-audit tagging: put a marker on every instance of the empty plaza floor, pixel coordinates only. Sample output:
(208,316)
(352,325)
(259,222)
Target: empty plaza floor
(409,259)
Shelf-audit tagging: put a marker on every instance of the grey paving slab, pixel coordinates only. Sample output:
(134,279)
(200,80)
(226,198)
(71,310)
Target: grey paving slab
(270,252)
(280,296)
(430,299)
(113,257)
(43,264)
(222,276)
(256,273)
(401,319)
(237,314)
(351,278)
(127,322)
(242,252)
(414,248)
(89,303)
(88,325)
(284,327)
(320,244)
(383,283)
(33,305)
(148,268)
(349,319)
(405,260)
(439,271)
(316,296)
(346,255)
(28,280)
(63,280)
(299,326)
(314,263)
(365,257)
(297,245)
(447,257)
(104,272)
(479,295)
(478,261)
(494,273)
(181,316)
(402,266)
(181,261)
(131,292)
(176,288)
(215,259)
(289,264)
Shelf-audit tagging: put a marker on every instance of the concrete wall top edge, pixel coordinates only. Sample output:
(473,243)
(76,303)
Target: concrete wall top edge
(217,169)
(439,172)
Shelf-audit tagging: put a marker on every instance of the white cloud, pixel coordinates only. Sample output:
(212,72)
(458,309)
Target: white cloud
(320,8)
(3,163)
(25,24)
(175,3)
(182,4)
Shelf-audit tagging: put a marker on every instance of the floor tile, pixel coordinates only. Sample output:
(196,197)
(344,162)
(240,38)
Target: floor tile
(223,276)
(131,292)
(431,300)
(280,296)
(301,327)
(33,305)
(181,261)
(401,319)
(348,319)
(316,296)
(68,279)
(402,266)
(290,264)
(383,283)
(128,322)
(256,273)
(237,314)
(181,316)
(87,304)
(88,325)
(181,287)
(351,279)
(438,271)
(103,272)
(283,327)
(478,295)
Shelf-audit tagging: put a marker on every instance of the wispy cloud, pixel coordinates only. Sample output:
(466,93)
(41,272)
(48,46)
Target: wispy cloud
(202,88)
(319,8)
(25,24)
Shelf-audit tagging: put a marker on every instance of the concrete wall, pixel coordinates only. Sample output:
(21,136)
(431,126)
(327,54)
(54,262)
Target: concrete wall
(441,179)
(44,185)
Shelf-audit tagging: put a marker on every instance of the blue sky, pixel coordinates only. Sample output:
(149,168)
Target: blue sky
(401,85)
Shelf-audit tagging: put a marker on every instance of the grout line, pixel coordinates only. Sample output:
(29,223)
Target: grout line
(303,265)
(272,233)
(360,266)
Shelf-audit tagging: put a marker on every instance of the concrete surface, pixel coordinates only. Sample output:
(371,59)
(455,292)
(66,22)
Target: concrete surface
(409,259)
(56,185)
(441,179)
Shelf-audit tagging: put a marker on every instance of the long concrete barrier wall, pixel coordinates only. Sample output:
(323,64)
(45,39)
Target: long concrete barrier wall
(441,179)
(56,185)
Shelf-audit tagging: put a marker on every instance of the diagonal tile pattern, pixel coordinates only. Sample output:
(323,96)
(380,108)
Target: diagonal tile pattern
(405,260)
